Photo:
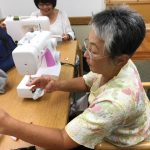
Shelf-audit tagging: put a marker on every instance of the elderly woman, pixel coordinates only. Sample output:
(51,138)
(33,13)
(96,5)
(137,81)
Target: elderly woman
(119,110)
(59,22)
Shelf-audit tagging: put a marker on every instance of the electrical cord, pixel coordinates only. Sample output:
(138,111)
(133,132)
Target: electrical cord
(63,63)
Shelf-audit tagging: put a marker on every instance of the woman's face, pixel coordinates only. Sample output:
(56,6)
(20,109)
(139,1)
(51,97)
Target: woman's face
(46,8)
(96,56)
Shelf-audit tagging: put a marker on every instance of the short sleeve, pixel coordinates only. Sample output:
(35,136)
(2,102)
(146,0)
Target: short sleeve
(90,78)
(95,123)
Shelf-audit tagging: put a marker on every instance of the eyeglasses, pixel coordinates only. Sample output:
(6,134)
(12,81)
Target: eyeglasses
(91,54)
(41,5)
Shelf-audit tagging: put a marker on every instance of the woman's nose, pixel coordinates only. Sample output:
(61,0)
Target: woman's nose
(86,55)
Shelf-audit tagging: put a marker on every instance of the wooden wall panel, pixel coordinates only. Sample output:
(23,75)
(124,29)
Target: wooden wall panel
(80,20)
(142,6)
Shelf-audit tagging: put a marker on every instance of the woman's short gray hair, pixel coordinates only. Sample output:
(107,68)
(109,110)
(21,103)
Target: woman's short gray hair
(121,28)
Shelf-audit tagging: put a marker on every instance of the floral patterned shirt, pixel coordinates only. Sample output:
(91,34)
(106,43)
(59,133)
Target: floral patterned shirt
(118,112)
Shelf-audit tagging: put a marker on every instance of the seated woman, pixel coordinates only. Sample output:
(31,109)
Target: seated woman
(119,110)
(59,22)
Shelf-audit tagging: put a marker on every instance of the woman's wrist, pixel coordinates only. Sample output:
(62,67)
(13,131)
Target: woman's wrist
(5,122)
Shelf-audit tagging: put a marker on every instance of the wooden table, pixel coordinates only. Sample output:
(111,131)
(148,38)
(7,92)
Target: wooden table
(49,111)
(143,52)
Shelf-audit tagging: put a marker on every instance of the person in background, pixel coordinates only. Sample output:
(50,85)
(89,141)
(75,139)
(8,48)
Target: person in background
(2,24)
(59,22)
(119,110)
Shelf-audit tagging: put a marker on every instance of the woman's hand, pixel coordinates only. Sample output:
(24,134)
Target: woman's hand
(3,119)
(66,37)
(45,82)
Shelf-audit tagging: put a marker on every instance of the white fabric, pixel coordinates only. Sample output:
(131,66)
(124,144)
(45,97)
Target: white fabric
(3,80)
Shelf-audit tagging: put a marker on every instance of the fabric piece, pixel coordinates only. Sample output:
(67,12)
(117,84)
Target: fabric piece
(3,80)
(118,112)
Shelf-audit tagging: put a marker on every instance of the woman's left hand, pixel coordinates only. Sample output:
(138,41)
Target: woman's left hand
(3,119)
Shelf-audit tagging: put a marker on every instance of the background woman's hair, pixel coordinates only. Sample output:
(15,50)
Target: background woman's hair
(122,29)
(53,2)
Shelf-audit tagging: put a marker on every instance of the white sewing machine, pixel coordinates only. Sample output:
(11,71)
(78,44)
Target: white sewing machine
(17,26)
(35,55)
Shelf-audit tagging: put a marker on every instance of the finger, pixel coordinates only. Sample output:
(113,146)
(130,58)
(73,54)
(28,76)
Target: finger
(33,88)
(33,81)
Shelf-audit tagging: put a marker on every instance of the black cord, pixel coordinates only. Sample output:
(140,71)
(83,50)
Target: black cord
(63,63)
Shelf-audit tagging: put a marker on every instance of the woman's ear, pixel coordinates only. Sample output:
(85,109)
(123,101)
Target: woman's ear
(121,60)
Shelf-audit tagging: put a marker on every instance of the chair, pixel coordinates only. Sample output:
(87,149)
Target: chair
(145,145)
(108,146)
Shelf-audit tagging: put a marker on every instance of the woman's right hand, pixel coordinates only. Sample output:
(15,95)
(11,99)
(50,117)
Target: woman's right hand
(45,82)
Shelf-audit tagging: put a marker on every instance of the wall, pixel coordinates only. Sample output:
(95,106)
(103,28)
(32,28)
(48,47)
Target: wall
(72,7)
(142,6)
(81,7)
(143,68)
(0,14)
(16,7)
(81,32)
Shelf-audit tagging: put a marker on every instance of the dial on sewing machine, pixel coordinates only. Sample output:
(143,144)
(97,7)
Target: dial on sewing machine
(36,55)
